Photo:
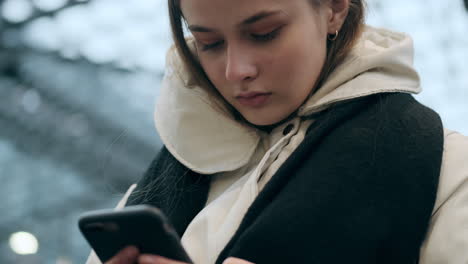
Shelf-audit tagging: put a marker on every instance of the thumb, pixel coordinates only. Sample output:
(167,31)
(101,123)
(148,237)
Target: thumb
(233,260)
(127,255)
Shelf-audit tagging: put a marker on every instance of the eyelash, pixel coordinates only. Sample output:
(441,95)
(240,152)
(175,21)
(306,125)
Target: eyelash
(267,37)
(259,38)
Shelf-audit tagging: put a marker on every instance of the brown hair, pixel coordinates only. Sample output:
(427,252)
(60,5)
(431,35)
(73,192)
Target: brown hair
(350,32)
(337,49)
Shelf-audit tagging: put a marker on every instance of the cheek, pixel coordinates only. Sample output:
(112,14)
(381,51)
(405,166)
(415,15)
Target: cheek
(214,69)
(311,61)
(297,67)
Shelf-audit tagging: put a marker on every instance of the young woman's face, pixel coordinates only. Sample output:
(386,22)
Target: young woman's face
(272,48)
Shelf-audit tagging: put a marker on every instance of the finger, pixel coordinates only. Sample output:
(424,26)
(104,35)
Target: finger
(232,260)
(154,259)
(127,255)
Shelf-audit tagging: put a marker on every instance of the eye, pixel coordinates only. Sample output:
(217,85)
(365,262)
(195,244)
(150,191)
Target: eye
(214,45)
(266,37)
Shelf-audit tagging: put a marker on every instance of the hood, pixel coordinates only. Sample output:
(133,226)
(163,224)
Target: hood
(200,132)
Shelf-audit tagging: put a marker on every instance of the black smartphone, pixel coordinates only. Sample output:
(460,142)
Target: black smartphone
(146,227)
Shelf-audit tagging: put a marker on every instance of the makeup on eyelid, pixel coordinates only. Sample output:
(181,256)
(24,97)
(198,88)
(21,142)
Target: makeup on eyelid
(269,46)
(262,36)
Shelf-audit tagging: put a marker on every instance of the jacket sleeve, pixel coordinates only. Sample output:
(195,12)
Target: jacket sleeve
(93,259)
(447,237)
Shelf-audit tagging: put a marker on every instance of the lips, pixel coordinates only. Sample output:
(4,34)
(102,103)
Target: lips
(250,94)
(253,99)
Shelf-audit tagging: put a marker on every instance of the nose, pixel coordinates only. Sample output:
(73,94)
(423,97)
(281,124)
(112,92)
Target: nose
(240,65)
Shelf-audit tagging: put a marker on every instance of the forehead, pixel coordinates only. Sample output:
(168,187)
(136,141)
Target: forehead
(231,12)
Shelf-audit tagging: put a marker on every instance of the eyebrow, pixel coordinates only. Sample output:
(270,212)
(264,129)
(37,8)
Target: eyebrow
(251,20)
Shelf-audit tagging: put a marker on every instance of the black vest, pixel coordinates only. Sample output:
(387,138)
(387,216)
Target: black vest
(360,189)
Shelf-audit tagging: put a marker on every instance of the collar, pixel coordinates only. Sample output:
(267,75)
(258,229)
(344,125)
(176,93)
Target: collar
(200,132)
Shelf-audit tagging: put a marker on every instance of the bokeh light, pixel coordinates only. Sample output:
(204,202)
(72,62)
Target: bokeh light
(49,5)
(24,243)
(16,11)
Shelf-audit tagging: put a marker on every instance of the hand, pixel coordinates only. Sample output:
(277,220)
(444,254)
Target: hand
(233,260)
(131,255)
(153,259)
(128,255)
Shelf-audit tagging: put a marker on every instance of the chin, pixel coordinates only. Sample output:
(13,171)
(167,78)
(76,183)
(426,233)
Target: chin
(266,121)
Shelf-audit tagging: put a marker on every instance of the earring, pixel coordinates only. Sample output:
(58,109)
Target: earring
(333,37)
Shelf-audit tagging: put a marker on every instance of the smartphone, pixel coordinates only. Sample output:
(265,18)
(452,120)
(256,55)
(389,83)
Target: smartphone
(146,227)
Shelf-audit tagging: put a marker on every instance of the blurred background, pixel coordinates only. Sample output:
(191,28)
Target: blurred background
(78,81)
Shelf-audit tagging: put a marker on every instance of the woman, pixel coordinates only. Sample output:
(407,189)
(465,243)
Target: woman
(291,136)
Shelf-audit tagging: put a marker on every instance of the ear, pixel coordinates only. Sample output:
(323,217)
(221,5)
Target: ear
(339,11)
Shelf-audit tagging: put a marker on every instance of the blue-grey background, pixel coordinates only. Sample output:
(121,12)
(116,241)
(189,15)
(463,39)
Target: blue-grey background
(78,81)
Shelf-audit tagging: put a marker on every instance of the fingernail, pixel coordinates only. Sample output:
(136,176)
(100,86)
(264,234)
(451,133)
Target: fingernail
(130,251)
(148,259)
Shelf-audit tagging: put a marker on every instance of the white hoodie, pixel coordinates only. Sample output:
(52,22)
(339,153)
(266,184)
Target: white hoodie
(202,135)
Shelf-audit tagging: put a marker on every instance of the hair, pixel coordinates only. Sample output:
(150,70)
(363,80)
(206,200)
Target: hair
(337,49)
(152,189)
